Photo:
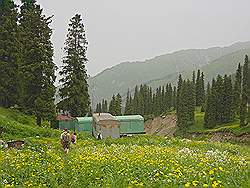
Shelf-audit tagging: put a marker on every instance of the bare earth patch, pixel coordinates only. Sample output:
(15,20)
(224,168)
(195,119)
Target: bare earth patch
(162,126)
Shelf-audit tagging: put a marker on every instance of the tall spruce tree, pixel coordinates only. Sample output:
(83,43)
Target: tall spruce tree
(174,97)
(245,98)
(118,105)
(210,110)
(150,101)
(38,69)
(237,90)
(127,104)
(194,83)
(98,108)
(227,111)
(202,88)
(104,106)
(219,98)
(208,90)
(74,91)
(199,89)
(178,92)
(9,54)
(247,75)
(186,105)
(136,100)
(112,105)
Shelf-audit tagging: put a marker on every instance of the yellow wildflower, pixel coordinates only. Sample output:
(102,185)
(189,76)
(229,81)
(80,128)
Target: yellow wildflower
(211,172)
(221,169)
(215,184)
(187,184)
(195,183)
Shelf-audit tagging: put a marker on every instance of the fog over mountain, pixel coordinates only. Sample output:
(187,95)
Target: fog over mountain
(119,31)
(165,68)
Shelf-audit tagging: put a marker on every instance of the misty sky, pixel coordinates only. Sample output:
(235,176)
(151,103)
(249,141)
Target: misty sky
(130,30)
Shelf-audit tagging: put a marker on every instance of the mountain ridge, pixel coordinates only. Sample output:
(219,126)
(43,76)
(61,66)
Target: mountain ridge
(126,75)
(171,53)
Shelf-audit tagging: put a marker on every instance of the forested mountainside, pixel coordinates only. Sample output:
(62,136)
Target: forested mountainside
(165,68)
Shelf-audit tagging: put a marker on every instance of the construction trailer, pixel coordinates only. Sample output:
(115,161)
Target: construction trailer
(66,122)
(131,124)
(105,125)
(84,124)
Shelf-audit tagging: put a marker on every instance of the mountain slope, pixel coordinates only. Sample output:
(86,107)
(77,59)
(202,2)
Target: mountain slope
(224,65)
(128,74)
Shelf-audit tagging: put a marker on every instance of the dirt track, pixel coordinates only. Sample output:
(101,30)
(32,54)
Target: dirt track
(163,126)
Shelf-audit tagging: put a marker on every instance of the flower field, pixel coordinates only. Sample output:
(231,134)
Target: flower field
(126,162)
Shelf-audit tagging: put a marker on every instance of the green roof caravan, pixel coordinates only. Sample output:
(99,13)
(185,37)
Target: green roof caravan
(105,125)
(66,122)
(84,124)
(131,124)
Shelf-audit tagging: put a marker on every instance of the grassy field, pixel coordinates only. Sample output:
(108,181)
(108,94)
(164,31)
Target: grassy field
(233,127)
(136,161)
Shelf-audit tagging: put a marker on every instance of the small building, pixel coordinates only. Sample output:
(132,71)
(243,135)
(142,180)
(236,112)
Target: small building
(105,125)
(131,124)
(84,124)
(66,122)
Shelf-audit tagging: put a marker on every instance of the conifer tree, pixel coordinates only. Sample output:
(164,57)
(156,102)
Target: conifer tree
(174,97)
(9,54)
(208,91)
(118,105)
(186,105)
(136,100)
(127,104)
(38,69)
(98,108)
(237,90)
(104,106)
(90,112)
(131,105)
(146,100)
(74,91)
(179,86)
(150,101)
(194,83)
(158,101)
(202,88)
(163,99)
(219,98)
(112,105)
(245,98)
(140,109)
(210,111)
(199,89)
(247,78)
(227,111)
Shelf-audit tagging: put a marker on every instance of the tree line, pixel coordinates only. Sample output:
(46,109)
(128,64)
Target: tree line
(27,70)
(226,100)
(146,101)
(222,101)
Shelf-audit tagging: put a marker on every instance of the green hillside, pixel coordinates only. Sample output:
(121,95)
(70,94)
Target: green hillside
(232,127)
(16,125)
(126,75)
